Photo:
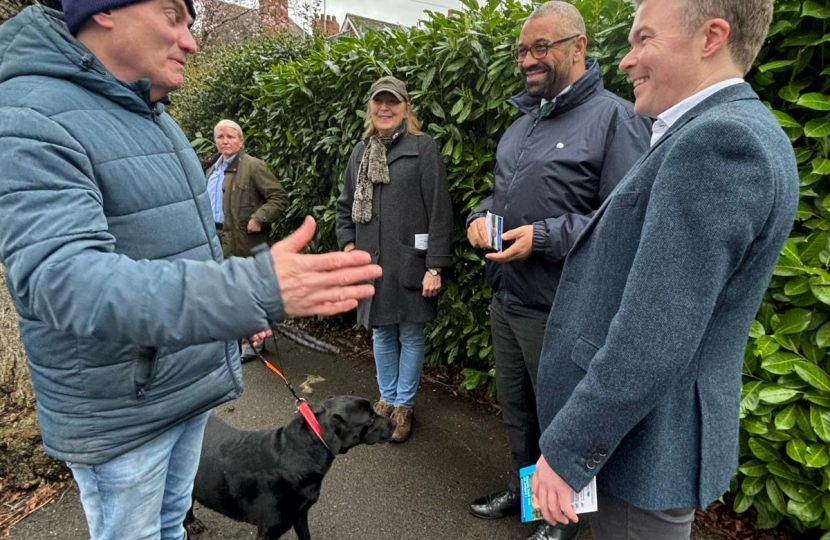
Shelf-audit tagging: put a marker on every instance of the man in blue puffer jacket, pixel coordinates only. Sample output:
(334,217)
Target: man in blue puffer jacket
(128,315)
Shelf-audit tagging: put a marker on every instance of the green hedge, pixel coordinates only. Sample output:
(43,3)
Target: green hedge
(305,117)
(218,78)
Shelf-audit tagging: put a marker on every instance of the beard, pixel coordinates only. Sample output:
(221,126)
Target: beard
(547,87)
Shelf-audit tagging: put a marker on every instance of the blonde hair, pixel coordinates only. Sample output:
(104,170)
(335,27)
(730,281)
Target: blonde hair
(749,22)
(231,124)
(413,125)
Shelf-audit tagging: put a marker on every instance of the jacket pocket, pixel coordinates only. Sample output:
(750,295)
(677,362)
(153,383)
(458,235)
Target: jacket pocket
(146,364)
(624,199)
(412,267)
(583,352)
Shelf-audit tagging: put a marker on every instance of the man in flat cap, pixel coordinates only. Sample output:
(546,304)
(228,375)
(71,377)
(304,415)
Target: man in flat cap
(127,312)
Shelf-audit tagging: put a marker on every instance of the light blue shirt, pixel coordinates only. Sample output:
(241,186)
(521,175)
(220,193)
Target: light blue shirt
(214,188)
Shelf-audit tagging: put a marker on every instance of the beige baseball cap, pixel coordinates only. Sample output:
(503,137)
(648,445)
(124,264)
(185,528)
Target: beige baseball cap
(390,84)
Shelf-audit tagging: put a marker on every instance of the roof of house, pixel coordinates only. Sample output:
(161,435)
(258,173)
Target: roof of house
(361,25)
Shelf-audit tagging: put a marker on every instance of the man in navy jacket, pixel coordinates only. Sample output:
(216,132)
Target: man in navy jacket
(555,165)
(641,366)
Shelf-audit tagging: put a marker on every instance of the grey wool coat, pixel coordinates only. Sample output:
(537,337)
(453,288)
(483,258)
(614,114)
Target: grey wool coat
(415,201)
(640,373)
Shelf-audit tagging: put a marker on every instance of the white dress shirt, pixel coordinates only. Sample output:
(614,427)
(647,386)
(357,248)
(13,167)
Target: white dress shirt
(669,117)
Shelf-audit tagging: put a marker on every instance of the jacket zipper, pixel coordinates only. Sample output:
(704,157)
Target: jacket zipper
(519,162)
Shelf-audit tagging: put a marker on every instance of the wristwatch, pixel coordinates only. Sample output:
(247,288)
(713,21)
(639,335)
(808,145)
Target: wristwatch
(434,271)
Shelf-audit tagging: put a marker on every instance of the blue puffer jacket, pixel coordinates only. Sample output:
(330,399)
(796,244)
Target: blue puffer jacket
(111,253)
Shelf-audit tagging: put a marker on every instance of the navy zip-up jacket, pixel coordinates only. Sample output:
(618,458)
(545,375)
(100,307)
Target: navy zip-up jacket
(552,172)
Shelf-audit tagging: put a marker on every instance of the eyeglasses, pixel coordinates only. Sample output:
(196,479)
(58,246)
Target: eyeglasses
(540,50)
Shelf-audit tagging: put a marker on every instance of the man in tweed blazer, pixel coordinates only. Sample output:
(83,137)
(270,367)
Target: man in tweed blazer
(640,373)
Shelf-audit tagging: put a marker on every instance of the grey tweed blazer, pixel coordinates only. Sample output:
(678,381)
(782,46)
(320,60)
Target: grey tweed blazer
(640,373)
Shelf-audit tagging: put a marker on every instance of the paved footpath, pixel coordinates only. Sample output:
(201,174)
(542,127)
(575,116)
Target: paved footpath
(418,490)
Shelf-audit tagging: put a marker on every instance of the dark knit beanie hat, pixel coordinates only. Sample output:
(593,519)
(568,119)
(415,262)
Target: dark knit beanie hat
(77,12)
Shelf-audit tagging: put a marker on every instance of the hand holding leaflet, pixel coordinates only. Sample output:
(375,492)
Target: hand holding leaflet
(495,227)
(583,502)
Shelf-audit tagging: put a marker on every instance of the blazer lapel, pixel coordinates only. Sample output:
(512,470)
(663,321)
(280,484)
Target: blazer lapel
(736,92)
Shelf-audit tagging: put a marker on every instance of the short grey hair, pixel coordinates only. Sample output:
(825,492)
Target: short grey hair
(230,124)
(749,22)
(570,19)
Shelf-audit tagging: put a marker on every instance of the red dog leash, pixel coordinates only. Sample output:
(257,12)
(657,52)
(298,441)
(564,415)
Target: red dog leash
(301,403)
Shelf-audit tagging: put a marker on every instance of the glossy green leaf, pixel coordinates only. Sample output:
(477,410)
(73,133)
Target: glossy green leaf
(776,496)
(752,486)
(791,489)
(785,419)
(820,286)
(756,427)
(781,362)
(790,93)
(796,286)
(753,467)
(817,456)
(742,503)
(797,450)
(763,450)
(821,166)
(776,65)
(813,375)
(777,394)
(766,345)
(794,321)
(815,9)
(821,399)
(757,330)
(820,420)
(785,120)
(750,395)
(815,101)
(779,468)
(818,128)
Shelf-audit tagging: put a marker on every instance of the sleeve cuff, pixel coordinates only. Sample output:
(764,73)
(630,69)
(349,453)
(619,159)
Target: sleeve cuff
(269,295)
(342,240)
(438,261)
(576,469)
(540,237)
(474,216)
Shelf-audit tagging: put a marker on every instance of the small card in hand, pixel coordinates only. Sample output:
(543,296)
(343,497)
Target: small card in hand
(494,226)
(583,502)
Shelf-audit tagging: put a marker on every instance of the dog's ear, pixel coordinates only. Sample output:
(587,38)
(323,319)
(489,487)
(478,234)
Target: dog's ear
(346,434)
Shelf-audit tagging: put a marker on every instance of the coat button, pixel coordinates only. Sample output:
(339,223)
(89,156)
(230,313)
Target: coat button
(596,458)
(590,464)
(602,451)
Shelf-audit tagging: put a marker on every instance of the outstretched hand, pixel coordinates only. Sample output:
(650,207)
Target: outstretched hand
(324,284)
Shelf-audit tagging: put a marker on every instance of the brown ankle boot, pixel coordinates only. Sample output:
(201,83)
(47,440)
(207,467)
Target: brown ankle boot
(383,409)
(404,417)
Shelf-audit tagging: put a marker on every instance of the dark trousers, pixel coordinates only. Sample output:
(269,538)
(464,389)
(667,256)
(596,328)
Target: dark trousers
(517,344)
(619,520)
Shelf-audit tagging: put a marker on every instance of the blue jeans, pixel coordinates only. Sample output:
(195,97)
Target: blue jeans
(399,357)
(145,493)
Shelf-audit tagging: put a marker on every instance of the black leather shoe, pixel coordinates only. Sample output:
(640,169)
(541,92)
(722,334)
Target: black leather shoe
(546,531)
(496,505)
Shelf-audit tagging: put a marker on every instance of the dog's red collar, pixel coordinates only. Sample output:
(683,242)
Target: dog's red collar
(311,420)
(302,404)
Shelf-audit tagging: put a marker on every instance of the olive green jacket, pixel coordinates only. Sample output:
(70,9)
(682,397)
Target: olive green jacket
(250,190)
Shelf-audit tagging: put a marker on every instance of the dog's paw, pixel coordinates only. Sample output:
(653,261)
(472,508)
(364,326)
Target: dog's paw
(195,527)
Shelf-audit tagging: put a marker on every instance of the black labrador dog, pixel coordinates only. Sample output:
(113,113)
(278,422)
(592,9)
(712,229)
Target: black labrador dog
(272,478)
